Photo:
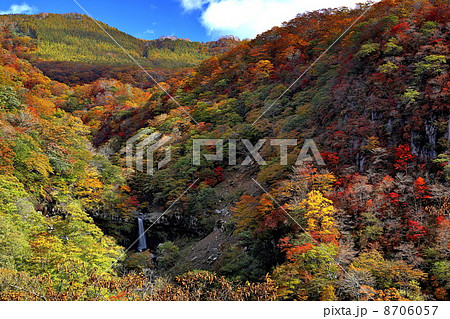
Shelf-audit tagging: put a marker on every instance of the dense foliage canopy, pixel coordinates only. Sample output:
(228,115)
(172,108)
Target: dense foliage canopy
(372,224)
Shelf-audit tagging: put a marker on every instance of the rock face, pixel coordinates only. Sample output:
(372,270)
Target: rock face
(206,252)
(161,227)
(173,220)
(173,38)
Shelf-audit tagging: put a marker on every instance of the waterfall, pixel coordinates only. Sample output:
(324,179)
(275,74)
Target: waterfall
(142,241)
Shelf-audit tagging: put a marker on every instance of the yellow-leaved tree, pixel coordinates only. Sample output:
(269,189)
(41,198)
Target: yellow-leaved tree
(317,211)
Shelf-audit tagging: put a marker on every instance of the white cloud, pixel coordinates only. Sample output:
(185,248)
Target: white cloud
(247,18)
(149,31)
(193,4)
(20,8)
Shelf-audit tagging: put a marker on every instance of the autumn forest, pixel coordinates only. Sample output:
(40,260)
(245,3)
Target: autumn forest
(372,222)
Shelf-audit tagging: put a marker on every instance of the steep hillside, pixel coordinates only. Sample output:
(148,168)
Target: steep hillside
(377,106)
(373,223)
(47,176)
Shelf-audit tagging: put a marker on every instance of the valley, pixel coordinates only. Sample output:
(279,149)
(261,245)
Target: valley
(370,223)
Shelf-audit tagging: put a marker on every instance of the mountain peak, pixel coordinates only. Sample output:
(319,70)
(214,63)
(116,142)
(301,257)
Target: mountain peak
(173,38)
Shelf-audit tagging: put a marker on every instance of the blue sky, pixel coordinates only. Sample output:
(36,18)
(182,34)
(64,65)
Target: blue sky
(198,20)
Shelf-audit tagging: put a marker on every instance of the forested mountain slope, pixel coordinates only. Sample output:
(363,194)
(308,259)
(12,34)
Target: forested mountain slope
(51,185)
(80,43)
(377,106)
(372,224)
(77,38)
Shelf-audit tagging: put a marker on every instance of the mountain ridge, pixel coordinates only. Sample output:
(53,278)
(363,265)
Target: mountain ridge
(77,40)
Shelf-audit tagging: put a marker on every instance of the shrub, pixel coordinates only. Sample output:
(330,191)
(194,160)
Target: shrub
(428,27)
(391,48)
(431,64)
(367,50)
(169,252)
(8,99)
(388,67)
(410,96)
